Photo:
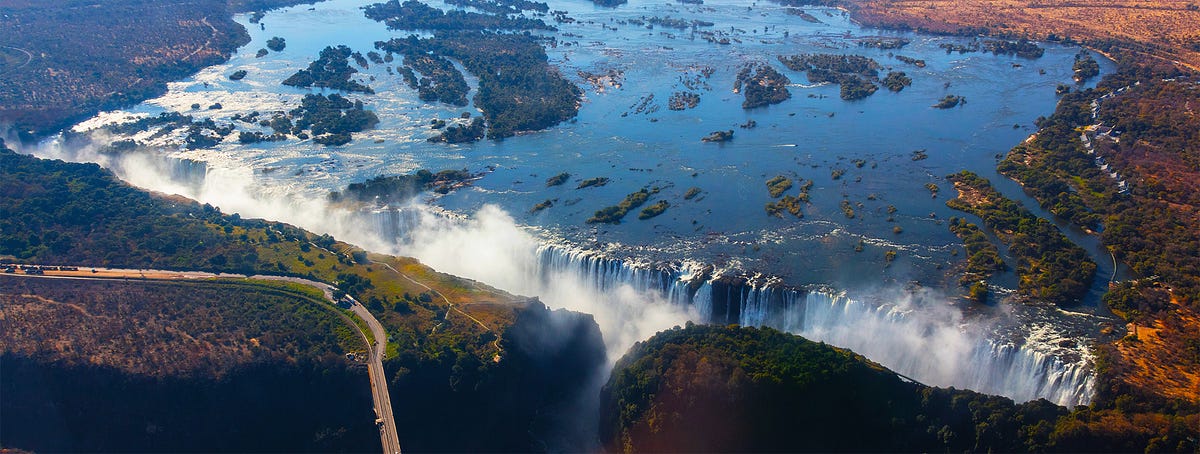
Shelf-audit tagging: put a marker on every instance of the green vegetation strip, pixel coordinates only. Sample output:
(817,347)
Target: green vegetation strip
(1050,267)
(613,214)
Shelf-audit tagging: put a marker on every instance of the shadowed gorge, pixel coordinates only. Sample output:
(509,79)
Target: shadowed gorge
(145,366)
(759,390)
(599,226)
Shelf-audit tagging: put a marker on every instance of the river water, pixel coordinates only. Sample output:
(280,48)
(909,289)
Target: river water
(808,137)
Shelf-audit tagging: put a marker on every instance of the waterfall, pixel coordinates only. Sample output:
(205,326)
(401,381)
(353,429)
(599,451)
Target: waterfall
(187,171)
(396,224)
(932,345)
(940,350)
(922,338)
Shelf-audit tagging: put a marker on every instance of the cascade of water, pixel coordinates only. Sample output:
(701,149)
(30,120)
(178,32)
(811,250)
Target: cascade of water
(928,342)
(932,345)
(396,224)
(936,348)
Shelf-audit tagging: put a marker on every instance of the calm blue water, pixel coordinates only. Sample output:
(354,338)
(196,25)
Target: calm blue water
(804,138)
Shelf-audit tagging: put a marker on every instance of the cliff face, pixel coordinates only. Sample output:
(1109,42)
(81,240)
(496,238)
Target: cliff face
(732,389)
(174,366)
(271,406)
(540,396)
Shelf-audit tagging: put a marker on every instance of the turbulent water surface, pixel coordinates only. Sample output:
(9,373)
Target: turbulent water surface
(803,275)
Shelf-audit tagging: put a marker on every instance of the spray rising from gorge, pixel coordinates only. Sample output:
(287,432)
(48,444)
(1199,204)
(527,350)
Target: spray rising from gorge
(915,334)
(827,275)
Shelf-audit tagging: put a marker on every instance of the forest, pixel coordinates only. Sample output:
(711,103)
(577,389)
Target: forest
(399,189)
(109,57)
(761,85)
(1152,226)
(518,89)
(855,74)
(1050,267)
(441,363)
(331,70)
(1144,210)
(255,345)
(414,15)
(80,214)
(729,388)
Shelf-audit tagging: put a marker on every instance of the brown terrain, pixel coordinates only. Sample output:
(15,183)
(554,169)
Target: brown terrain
(1158,155)
(63,60)
(1161,29)
(67,59)
(1156,358)
(164,328)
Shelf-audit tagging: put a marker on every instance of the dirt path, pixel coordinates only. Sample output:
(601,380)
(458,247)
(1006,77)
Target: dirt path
(206,43)
(450,305)
(28,58)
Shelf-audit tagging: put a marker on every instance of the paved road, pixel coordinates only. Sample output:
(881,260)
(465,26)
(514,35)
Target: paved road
(375,355)
(379,391)
(376,351)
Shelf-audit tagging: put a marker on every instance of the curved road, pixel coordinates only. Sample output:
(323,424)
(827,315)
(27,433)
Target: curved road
(376,350)
(379,391)
(28,59)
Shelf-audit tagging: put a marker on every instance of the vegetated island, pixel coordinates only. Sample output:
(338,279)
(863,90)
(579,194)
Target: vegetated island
(590,182)
(502,7)
(718,136)
(912,61)
(778,185)
(1085,67)
(855,74)
(1051,268)
(896,81)
(983,259)
(791,204)
(557,179)
(950,101)
(331,120)
(327,120)
(276,44)
(654,209)
(518,89)
(614,214)
(737,389)
(400,189)
(331,70)
(761,85)
(414,15)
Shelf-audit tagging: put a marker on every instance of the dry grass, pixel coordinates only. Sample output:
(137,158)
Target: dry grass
(1170,27)
(164,328)
(971,196)
(1152,361)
